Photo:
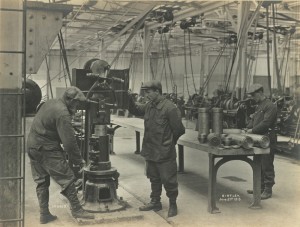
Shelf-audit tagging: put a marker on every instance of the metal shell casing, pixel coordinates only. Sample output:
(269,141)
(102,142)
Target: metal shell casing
(217,121)
(203,124)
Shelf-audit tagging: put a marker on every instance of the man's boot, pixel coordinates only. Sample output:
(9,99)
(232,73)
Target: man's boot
(172,209)
(172,195)
(76,209)
(267,193)
(43,198)
(154,205)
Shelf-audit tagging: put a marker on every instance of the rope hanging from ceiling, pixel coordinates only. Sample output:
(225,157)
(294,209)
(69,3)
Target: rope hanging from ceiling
(185,64)
(275,53)
(163,62)
(63,70)
(286,64)
(132,66)
(209,76)
(191,62)
(169,61)
(164,72)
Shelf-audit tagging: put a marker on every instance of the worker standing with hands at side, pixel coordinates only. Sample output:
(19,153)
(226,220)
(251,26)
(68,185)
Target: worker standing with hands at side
(51,127)
(263,122)
(163,127)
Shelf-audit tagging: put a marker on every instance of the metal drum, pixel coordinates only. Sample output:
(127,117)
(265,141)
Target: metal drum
(203,124)
(217,121)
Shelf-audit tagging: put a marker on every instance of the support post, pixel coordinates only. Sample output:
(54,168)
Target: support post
(12,130)
(212,207)
(256,166)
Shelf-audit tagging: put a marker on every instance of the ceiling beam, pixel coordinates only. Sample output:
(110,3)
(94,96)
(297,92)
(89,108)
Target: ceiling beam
(129,39)
(128,26)
(100,21)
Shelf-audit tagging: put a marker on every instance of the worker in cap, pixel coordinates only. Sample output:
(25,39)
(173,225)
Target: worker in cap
(154,85)
(263,122)
(255,88)
(72,98)
(50,128)
(163,127)
(74,93)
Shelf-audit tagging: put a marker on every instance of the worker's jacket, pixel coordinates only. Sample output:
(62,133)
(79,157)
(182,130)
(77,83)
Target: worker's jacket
(163,127)
(51,127)
(264,119)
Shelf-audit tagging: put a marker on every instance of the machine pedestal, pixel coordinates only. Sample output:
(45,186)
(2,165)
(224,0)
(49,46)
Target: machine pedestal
(100,194)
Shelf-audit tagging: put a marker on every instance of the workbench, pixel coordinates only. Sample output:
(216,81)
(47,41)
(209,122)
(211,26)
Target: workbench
(217,157)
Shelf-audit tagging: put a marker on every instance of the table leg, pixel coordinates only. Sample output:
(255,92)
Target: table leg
(212,207)
(138,142)
(180,158)
(256,182)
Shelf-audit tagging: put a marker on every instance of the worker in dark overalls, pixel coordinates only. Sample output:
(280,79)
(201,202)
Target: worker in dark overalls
(263,122)
(163,127)
(52,127)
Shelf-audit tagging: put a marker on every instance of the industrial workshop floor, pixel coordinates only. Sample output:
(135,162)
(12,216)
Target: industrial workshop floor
(234,178)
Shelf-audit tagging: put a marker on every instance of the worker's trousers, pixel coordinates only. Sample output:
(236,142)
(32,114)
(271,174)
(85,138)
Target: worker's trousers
(162,173)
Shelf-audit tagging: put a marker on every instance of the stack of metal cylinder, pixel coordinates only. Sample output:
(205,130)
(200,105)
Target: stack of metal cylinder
(204,135)
(261,141)
(215,136)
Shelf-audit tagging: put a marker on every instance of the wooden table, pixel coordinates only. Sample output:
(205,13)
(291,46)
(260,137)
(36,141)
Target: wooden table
(190,139)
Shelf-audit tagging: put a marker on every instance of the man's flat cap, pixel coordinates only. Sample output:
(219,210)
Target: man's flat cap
(153,84)
(254,88)
(75,93)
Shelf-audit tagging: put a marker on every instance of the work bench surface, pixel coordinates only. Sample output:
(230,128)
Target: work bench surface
(190,139)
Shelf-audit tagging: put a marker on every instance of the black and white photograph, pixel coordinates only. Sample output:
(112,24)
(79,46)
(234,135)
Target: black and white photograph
(135,113)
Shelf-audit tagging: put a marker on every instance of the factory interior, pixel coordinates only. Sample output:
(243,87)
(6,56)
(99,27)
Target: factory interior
(215,63)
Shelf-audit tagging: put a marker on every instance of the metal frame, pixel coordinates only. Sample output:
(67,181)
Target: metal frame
(21,220)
